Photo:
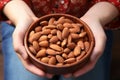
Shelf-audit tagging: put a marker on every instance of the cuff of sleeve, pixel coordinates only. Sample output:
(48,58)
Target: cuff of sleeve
(116,3)
(3,3)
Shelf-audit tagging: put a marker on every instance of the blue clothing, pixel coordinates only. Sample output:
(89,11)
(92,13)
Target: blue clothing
(14,70)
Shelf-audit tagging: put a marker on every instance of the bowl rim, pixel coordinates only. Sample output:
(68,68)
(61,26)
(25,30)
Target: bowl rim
(88,53)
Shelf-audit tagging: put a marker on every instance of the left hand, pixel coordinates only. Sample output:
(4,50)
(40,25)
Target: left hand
(18,38)
(100,41)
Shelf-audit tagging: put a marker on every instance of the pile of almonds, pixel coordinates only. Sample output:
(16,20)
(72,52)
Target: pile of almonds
(58,41)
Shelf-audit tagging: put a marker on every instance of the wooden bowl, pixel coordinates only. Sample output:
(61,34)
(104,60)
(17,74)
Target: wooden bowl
(61,69)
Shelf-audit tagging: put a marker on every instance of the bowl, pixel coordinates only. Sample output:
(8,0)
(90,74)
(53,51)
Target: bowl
(59,43)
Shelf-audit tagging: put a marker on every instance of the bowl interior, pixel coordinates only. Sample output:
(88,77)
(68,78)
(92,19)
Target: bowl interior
(56,16)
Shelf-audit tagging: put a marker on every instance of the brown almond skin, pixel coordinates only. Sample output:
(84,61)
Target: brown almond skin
(31,33)
(32,50)
(55,47)
(74,36)
(41,53)
(44,23)
(51,52)
(51,21)
(43,38)
(45,59)
(65,33)
(81,55)
(64,55)
(71,45)
(77,27)
(71,55)
(59,35)
(67,20)
(54,32)
(60,27)
(44,43)
(38,29)
(52,61)
(34,37)
(60,20)
(46,31)
(77,50)
(69,39)
(66,50)
(53,39)
(36,45)
(51,27)
(87,45)
(70,60)
(82,34)
(81,44)
(59,59)
(68,25)
(64,43)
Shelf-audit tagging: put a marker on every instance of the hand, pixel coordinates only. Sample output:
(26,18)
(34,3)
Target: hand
(18,37)
(100,41)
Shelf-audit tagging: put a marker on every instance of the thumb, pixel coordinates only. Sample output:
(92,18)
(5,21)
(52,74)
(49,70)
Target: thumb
(21,50)
(18,46)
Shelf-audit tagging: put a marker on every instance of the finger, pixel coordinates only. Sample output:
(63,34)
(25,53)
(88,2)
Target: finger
(30,67)
(98,49)
(67,75)
(84,69)
(18,44)
(21,50)
(49,75)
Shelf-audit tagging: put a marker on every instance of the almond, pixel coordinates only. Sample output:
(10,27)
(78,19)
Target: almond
(45,59)
(68,25)
(74,36)
(70,60)
(59,35)
(77,50)
(50,27)
(65,33)
(34,37)
(81,44)
(60,27)
(46,31)
(66,50)
(56,47)
(71,45)
(43,38)
(64,43)
(36,45)
(41,53)
(59,59)
(87,45)
(53,39)
(51,21)
(44,43)
(71,55)
(32,50)
(52,61)
(51,52)
(64,55)
(54,32)
(60,20)
(38,29)
(44,23)
(31,33)
(81,55)
(82,34)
